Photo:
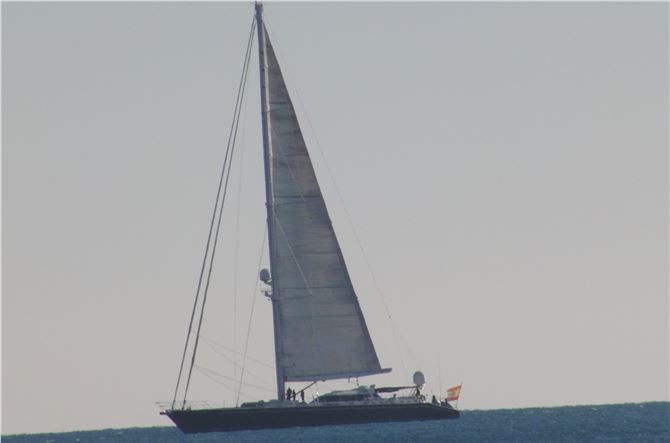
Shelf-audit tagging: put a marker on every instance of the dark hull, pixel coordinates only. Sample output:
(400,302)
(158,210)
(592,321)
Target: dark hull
(236,419)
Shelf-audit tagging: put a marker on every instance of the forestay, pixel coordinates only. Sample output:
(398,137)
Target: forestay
(322,332)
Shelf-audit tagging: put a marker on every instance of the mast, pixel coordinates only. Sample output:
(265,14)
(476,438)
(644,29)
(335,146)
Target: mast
(262,64)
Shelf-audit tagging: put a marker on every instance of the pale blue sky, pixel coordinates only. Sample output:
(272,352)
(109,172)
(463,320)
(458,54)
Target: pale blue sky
(505,167)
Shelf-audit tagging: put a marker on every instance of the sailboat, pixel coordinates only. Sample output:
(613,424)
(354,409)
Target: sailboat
(319,329)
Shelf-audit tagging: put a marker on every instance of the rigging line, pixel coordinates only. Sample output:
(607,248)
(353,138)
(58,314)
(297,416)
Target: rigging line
(223,198)
(251,315)
(346,211)
(229,149)
(209,274)
(204,259)
(225,377)
(219,382)
(308,386)
(256,376)
(237,230)
(202,337)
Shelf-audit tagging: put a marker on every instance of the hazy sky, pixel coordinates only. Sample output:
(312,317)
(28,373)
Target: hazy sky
(505,166)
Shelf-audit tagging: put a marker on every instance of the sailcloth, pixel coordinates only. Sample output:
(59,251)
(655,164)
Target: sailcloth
(322,333)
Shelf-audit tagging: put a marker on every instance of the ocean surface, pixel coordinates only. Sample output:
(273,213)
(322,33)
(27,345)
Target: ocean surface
(635,422)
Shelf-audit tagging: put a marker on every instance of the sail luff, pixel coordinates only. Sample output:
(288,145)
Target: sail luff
(262,64)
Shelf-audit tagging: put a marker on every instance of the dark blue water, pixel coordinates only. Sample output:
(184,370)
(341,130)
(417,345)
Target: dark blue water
(642,422)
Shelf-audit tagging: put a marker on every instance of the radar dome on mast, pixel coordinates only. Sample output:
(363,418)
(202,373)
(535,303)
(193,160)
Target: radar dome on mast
(265,276)
(419,379)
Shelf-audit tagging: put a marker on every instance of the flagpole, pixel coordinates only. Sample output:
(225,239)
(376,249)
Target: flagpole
(459,393)
(439,374)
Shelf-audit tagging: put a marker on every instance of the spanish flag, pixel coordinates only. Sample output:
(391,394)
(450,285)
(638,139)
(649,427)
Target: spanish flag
(453,393)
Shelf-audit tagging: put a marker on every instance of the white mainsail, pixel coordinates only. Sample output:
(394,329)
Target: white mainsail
(321,332)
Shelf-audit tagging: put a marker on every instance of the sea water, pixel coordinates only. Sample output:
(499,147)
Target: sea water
(635,422)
